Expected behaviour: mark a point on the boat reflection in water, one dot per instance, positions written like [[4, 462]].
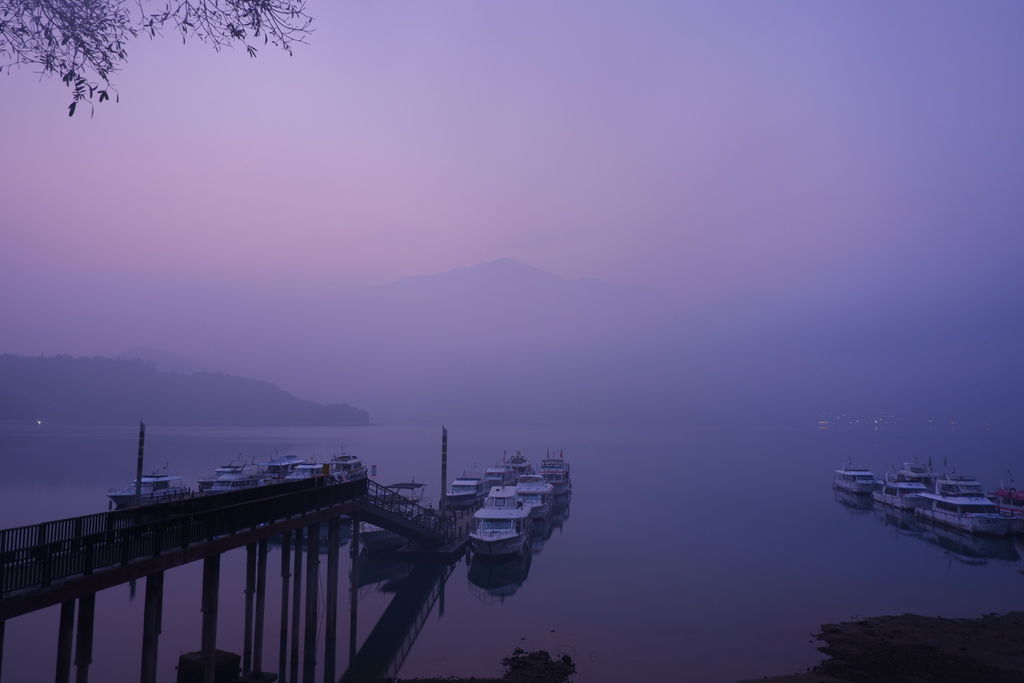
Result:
[[493, 580], [853, 501], [969, 549], [544, 528]]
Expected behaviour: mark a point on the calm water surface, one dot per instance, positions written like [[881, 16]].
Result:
[[684, 554]]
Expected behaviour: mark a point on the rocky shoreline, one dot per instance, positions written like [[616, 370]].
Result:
[[910, 648], [906, 648]]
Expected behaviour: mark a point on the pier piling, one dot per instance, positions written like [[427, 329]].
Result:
[[282, 652], [331, 607], [261, 605], [353, 612], [211, 586], [83, 648], [312, 562], [293, 670], [65, 639], [151, 625], [250, 589]]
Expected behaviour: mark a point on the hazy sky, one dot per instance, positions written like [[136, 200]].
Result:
[[786, 157], [715, 146]]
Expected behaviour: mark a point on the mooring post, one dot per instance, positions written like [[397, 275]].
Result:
[[138, 464], [309, 646], [250, 589], [211, 587], [293, 670], [443, 504], [353, 612], [151, 625], [83, 648], [282, 649], [261, 605], [331, 627], [65, 639]]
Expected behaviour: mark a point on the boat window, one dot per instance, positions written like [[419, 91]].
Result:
[[495, 524], [948, 507]]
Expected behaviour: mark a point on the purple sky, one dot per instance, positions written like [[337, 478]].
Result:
[[790, 154]]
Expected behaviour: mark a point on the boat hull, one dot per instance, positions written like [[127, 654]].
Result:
[[860, 488], [989, 525], [899, 502], [499, 547]]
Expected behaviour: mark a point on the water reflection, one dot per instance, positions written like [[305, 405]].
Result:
[[959, 546], [543, 528], [491, 580], [853, 501]]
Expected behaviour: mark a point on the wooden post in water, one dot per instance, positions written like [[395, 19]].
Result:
[[331, 607], [282, 652], [83, 648], [293, 670], [211, 586], [151, 624], [312, 562], [65, 639], [138, 464], [353, 614], [261, 605], [250, 589], [443, 504]]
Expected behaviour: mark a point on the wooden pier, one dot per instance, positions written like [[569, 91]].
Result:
[[68, 561]]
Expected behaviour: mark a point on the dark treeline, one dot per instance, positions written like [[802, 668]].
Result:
[[105, 391]]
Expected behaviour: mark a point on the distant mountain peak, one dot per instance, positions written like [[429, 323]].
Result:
[[499, 271]]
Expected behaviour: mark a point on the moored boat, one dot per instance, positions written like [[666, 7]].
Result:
[[519, 464], [205, 483], [276, 469], [502, 526], [235, 481], [556, 472], [904, 495], [465, 491], [958, 501], [535, 494], [859, 480], [347, 467], [157, 487], [1010, 501]]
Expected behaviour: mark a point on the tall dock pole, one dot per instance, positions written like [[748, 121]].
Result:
[[138, 463], [443, 506]]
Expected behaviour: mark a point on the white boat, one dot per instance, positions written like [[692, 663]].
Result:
[[535, 494], [916, 472], [205, 483], [466, 491], [376, 539], [859, 480], [959, 501], [500, 475], [556, 472], [278, 468], [156, 488], [520, 465], [235, 481], [904, 495], [308, 470], [347, 467], [502, 526]]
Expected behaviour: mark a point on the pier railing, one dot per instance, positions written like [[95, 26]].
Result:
[[390, 500], [35, 556]]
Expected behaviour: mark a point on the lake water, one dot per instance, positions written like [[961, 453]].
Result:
[[697, 555]]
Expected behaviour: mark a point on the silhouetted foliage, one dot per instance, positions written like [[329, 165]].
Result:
[[83, 42], [104, 391]]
